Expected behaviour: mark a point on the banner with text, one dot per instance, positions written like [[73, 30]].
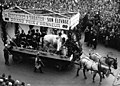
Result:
[[74, 21], [46, 21]]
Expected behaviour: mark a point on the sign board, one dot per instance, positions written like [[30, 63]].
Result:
[[74, 20], [46, 21]]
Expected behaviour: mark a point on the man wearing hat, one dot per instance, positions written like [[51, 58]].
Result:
[[38, 64], [10, 79], [1, 81], [22, 84], [37, 37], [6, 55], [17, 83], [59, 43], [3, 77], [28, 85], [10, 84]]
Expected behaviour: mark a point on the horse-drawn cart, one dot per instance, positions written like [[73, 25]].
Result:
[[37, 18], [58, 60]]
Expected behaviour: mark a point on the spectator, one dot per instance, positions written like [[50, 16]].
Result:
[[22, 84], [3, 77], [10, 79], [6, 55], [106, 13], [10, 82], [87, 32]]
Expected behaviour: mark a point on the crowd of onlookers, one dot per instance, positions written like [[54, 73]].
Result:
[[106, 7], [9, 81], [107, 33], [107, 28]]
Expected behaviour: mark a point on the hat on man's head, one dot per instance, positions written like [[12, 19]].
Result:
[[17, 81], [28, 85], [9, 84], [1, 80], [38, 53], [3, 75], [37, 30], [6, 45], [23, 84], [9, 76], [60, 33]]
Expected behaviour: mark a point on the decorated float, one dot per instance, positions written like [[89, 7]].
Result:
[[16, 19]]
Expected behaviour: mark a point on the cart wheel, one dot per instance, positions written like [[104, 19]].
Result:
[[17, 58], [59, 68]]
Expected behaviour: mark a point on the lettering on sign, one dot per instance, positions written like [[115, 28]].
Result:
[[5, 14], [46, 21], [37, 23], [61, 21], [35, 17], [17, 20], [49, 19]]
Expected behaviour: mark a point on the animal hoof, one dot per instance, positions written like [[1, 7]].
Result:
[[85, 77], [93, 81]]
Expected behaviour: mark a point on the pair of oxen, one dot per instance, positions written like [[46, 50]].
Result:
[[98, 64]]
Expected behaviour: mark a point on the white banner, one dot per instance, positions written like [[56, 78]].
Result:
[[46, 21], [74, 20]]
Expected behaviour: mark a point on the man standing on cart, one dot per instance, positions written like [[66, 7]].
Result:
[[38, 64], [59, 43], [43, 33], [37, 38]]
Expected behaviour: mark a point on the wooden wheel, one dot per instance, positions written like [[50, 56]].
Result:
[[16, 58]]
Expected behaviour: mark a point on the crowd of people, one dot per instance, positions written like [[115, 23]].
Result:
[[107, 8], [110, 35], [107, 33], [9, 81], [108, 14], [29, 40]]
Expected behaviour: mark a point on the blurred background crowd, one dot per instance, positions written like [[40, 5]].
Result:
[[107, 8], [9, 81], [101, 17]]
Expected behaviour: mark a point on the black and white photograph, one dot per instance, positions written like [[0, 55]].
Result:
[[59, 42]]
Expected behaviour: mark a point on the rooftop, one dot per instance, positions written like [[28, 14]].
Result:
[[43, 12]]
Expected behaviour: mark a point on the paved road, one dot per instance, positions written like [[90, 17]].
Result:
[[53, 77]]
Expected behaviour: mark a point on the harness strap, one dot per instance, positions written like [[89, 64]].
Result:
[[87, 59], [99, 65], [91, 65]]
